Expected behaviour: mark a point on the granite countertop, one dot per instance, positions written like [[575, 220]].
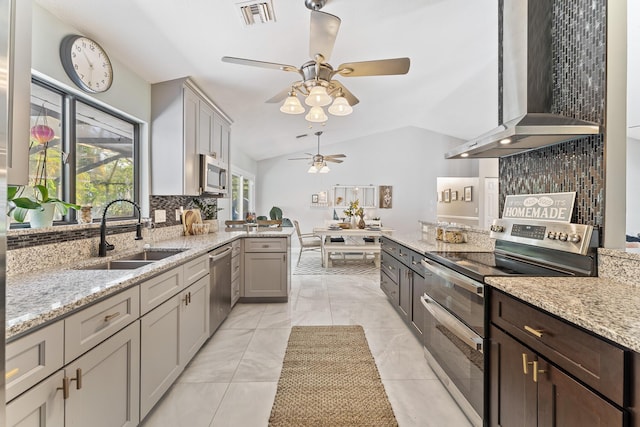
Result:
[[414, 241], [35, 299], [605, 307]]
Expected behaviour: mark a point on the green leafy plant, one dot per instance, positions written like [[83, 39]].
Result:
[[275, 213], [208, 207], [19, 205]]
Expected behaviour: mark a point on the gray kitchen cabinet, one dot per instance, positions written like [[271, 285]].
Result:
[[42, 406], [266, 269], [175, 108], [173, 331], [107, 373], [104, 383], [236, 249], [19, 115], [185, 123]]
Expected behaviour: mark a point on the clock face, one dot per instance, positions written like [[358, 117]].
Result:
[[86, 63]]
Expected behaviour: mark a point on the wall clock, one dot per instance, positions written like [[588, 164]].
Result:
[[86, 63]]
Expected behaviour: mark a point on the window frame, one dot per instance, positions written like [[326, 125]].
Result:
[[68, 122], [243, 176]]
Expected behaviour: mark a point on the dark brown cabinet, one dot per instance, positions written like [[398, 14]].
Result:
[[529, 382], [401, 280]]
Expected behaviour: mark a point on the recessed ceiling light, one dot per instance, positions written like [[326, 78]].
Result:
[[464, 155], [505, 141]]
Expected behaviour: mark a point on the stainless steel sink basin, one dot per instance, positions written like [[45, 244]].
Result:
[[118, 265], [152, 255]]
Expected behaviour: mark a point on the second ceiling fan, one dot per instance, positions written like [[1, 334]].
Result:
[[318, 161], [317, 86]]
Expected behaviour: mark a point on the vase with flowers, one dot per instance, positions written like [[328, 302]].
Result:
[[353, 212], [34, 199]]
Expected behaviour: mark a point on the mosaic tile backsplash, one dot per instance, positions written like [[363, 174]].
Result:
[[579, 76]]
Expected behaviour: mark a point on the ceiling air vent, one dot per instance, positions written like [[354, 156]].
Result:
[[256, 12]]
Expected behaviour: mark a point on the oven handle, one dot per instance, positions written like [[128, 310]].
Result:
[[452, 324], [457, 279]]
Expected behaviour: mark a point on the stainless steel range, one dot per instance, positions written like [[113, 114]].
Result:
[[456, 312]]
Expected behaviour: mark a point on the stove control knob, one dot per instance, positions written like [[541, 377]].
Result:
[[563, 237], [497, 228], [575, 238], [552, 235]]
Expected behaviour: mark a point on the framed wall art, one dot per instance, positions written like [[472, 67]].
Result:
[[314, 198], [454, 196], [386, 197], [468, 194], [447, 195]]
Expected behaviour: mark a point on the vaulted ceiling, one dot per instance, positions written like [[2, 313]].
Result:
[[451, 87]]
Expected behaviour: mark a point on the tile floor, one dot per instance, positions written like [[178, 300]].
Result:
[[232, 380]]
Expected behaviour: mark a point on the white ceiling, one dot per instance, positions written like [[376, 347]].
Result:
[[451, 87]]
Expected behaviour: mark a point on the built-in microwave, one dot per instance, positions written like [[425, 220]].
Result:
[[213, 178]]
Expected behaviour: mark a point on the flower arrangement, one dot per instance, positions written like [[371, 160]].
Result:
[[354, 209]]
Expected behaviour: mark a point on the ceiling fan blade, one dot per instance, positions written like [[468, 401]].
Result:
[[333, 160], [299, 158], [278, 97], [323, 33], [381, 67], [351, 99], [335, 156], [261, 64]]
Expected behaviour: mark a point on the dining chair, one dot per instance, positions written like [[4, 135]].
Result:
[[308, 241]]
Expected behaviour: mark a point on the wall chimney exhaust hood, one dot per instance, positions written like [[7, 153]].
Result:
[[527, 80]]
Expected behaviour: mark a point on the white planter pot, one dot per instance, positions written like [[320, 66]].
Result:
[[213, 225], [42, 218]]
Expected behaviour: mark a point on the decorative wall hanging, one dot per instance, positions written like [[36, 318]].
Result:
[[467, 194], [447, 195], [386, 196]]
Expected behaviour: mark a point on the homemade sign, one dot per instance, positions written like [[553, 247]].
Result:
[[544, 206]]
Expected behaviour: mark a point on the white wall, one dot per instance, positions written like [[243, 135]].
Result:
[[409, 159], [633, 178]]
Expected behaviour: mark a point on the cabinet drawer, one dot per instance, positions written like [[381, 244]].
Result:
[[235, 268], [94, 324], [590, 359], [390, 288], [235, 291], [390, 247], [236, 248], [391, 266], [195, 269], [33, 357], [265, 245], [157, 290]]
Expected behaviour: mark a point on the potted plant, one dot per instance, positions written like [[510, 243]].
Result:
[[39, 205], [208, 211]]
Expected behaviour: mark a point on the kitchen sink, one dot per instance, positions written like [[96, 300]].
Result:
[[118, 265], [151, 255]]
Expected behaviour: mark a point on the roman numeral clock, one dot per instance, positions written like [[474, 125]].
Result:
[[86, 63]]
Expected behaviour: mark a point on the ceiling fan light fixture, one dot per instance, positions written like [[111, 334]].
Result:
[[292, 105], [312, 169], [324, 168], [340, 107], [318, 97], [316, 115]]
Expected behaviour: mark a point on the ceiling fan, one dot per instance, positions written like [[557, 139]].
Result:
[[318, 161], [317, 85]]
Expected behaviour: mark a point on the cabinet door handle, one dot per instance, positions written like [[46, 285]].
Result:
[[186, 299], [525, 364], [536, 371], [189, 297], [532, 331], [110, 317], [78, 379], [11, 373], [64, 388]]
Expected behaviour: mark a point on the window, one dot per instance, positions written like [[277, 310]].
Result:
[[242, 194], [92, 158]]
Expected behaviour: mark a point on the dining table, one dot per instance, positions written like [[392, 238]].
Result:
[[353, 240]]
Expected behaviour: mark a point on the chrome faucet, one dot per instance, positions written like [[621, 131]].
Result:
[[106, 246]]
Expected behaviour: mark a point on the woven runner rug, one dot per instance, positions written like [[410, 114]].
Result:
[[311, 264], [329, 378]]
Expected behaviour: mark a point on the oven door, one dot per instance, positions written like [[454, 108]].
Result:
[[458, 354], [461, 295]]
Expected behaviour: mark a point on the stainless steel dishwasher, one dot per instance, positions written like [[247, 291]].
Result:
[[220, 286]]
